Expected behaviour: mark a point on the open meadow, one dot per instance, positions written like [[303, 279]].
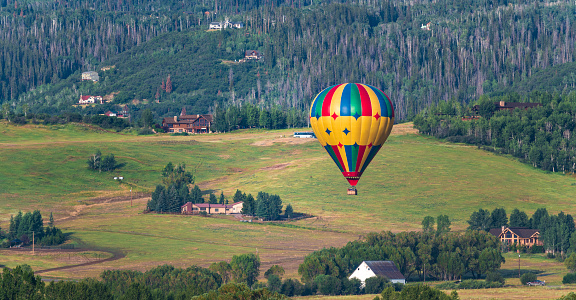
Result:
[[413, 176]]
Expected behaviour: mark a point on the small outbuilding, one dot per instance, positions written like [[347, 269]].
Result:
[[371, 268]]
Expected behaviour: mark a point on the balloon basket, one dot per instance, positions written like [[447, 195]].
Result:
[[352, 191]]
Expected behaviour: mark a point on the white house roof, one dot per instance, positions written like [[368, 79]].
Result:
[[385, 268]]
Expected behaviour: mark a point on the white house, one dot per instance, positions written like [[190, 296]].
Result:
[[215, 25], [90, 99], [373, 268]]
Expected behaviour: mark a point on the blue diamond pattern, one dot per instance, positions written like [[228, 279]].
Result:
[[356, 115], [355, 145], [346, 131], [317, 116], [328, 131]]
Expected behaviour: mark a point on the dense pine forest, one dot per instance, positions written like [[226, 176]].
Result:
[[468, 49]]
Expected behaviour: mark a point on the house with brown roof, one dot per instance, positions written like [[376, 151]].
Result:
[[253, 54], [503, 105], [187, 123], [210, 208], [384, 268], [517, 235]]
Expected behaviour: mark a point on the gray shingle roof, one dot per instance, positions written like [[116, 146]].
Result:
[[385, 268]]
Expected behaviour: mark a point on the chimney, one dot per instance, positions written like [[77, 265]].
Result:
[[503, 228], [502, 103], [175, 118]]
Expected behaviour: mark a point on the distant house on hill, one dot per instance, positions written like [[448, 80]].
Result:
[[90, 75], [225, 24], [188, 123], [371, 268], [253, 54], [215, 25], [88, 99], [517, 235], [503, 105], [195, 208]]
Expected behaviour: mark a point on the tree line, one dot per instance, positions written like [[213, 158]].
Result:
[[447, 256], [222, 280], [542, 136], [24, 229]]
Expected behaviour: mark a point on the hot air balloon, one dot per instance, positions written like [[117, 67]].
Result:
[[352, 121]]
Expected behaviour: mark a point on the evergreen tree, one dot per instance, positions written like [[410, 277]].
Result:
[[539, 218], [480, 220], [428, 224], [221, 201], [213, 199], [196, 195], [499, 218], [249, 206], [288, 212], [442, 224], [518, 219], [51, 220], [239, 197]]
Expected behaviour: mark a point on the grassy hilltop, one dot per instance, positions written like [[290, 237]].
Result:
[[413, 176]]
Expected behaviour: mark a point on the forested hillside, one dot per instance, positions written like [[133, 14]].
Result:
[[542, 136], [471, 48]]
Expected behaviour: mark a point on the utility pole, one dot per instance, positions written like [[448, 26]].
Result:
[[518, 265], [33, 243], [130, 196], [424, 272]]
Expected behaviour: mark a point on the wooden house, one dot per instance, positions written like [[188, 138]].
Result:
[[517, 235], [188, 123]]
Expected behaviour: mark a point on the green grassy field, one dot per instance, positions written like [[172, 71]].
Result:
[[413, 176]]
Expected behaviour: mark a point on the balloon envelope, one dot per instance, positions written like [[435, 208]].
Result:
[[352, 121]]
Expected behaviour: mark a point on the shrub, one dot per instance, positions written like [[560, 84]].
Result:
[[569, 278], [527, 277], [145, 131], [328, 285], [537, 249], [495, 277], [448, 285], [375, 285], [479, 284], [550, 255]]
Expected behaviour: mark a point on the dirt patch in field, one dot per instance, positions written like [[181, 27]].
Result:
[[224, 156], [275, 167], [235, 170], [283, 139], [404, 128]]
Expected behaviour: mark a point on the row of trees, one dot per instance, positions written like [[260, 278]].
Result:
[[250, 116], [542, 136], [24, 227], [444, 257], [265, 206], [557, 232]]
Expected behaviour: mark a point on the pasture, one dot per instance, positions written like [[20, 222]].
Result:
[[44, 167]]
